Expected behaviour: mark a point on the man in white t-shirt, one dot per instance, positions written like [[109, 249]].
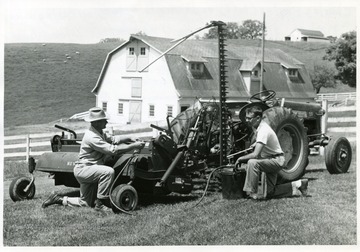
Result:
[[267, 157]]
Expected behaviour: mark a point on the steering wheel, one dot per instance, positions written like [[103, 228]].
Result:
[[263, 96]]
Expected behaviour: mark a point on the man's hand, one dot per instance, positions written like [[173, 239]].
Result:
[[238, 162], [139, 144]]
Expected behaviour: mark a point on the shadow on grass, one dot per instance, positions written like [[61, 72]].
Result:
[[149, 199], [315, 170], [144, 199]]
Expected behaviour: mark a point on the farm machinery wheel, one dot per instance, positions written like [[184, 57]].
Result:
[[293, 140], [125, 197], [17, 186], [338, 155]]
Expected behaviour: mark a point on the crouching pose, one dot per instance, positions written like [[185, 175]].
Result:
[[267, 157], [94, 177]]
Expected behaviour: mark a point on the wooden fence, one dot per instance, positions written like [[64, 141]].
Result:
[[24, 146], [340, 97]]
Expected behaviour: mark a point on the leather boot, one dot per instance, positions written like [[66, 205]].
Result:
[[303, 187], [52, 199], [102, 205]]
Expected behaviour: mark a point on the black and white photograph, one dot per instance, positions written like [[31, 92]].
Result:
[[179, 125]]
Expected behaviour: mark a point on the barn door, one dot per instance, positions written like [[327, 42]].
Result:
[[135, 112]]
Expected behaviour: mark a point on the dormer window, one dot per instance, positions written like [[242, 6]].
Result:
[[197, 67], [293, 72]]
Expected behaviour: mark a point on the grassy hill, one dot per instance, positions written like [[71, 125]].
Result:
[[43, 85]]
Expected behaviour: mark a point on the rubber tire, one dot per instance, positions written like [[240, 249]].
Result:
[[293, 140], [334, 161], [17, 186], [122, 193]]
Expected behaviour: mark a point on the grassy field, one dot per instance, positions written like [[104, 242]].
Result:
[[40, 87], [328, 217]]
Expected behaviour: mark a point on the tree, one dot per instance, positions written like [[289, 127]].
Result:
[[332, 39], [140, 33], [250, 29], [323, 76], [111, 40], [343, 52]]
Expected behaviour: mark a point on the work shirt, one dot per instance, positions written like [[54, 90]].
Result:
[[266, 136], [95, 147]]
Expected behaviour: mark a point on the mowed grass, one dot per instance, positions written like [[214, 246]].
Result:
[[326, 218]]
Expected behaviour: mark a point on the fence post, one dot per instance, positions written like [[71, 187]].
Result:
[[27, 147], [324, 120]]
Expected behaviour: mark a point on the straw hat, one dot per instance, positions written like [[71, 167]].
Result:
[[242, 112], [96, 114]]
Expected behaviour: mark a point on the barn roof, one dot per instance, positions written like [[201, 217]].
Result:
[[240, 56], [311, 33]]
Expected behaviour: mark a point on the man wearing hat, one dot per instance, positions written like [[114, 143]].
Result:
[[94, 177], [267, 157]]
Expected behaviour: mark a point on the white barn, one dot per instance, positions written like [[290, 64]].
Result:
[[190, 71], [307, 36]]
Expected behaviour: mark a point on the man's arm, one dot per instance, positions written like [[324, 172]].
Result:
[[253, 155], [122, 148], [122, 139]]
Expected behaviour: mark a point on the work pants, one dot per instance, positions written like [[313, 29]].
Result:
[[270, 167], [95, 182]]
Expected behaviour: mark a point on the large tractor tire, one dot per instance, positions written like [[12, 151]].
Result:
[[293, 140], [338, 155], [17, 186]]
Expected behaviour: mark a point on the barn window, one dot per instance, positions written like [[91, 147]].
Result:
[[151, 110], [136, 88], [131, 51], [197, 67], [184, 107], [292, 72], [255, 73], [104, 106], [170, 111], [142, 51], [120, 108]]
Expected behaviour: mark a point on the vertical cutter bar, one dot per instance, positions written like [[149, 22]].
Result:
[[222, 92]]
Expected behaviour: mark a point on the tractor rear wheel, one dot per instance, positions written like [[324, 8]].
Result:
[[293, 140], [17, 186], [124, 197], [338, 155]]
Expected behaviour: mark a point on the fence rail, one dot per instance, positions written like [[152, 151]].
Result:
[[337, 96], [32, 142]]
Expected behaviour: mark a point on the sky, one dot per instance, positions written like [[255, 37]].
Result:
[[89, 21]]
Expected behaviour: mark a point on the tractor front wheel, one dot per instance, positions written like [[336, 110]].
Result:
[[338, 155], [17, 187], [125, 197]]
